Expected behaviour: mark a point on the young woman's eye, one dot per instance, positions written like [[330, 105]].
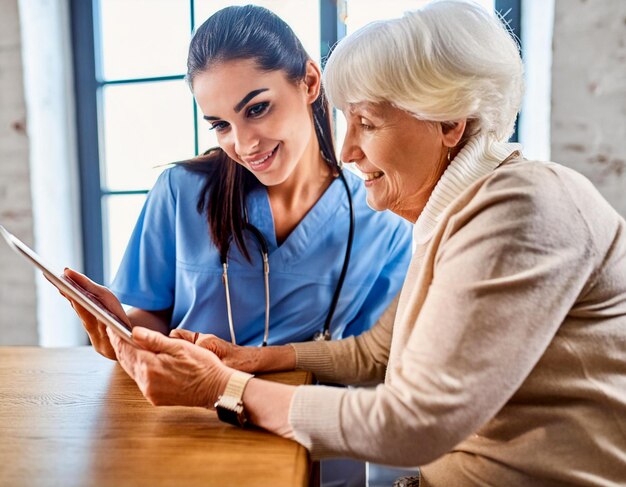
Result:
[[258, 109], [218, 126]]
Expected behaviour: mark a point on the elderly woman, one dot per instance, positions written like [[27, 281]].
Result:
[[503, 362]]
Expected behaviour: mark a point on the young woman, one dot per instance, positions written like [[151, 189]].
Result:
[[273, 191]]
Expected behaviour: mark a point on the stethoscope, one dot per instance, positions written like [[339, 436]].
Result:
[[324, 334]]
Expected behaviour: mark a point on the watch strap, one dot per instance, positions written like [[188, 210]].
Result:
[[236, 384], [229, 405]]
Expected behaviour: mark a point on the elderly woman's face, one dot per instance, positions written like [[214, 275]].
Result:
[[401, 157]]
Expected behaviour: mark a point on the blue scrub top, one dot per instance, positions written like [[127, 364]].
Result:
[[171, 262]]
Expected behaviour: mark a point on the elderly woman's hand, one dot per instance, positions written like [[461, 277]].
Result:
[[171, 371], [246, 359]]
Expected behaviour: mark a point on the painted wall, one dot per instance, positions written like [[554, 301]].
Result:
[[588, 123]]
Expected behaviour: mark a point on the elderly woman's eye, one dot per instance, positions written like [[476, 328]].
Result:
[[365, 124]]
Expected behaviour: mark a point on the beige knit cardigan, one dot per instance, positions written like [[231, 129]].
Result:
[[504, 362]]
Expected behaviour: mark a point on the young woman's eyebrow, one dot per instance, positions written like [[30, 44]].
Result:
[[247, 98], [237, 108]]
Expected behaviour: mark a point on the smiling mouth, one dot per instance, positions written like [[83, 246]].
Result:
[[371, 176], [258, 162]]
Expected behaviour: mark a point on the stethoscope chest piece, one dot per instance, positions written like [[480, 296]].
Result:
[[322, 336]]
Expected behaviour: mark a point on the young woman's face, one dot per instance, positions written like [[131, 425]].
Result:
[[262, 120]]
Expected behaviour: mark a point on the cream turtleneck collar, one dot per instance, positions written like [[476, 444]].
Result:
[[479, 157]]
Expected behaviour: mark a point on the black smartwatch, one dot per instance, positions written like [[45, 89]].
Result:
[[229, 405]]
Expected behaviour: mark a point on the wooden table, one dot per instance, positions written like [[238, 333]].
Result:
[[71, 417]]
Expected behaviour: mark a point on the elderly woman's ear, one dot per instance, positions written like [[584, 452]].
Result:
[[452, 132]]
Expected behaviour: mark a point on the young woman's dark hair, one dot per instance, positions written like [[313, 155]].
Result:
[[236, 33]]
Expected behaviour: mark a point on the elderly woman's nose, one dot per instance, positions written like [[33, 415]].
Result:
[[350, 151]]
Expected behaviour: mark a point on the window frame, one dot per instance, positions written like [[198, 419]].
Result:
[[88, 84]]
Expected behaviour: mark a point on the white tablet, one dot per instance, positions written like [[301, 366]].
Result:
[[69, 287]]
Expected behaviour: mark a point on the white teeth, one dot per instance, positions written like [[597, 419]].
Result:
[[256, 163], [261, 161], [370, 176]]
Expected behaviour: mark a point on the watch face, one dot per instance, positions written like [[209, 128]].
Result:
[[230, 416], [229, 405]]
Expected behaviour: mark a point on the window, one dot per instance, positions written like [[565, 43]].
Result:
[[135, 113]]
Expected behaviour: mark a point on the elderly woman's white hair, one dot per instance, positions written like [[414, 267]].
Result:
[[446, 61]]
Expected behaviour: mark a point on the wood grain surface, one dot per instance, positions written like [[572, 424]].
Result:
[[70, 417]]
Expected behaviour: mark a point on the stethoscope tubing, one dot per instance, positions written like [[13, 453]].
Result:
[[264, 250]]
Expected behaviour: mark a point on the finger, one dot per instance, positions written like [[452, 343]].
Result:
[[82, 280], [94, 328], [122, 353], [182, 334], [91, 288], [89, 320], [154, 341], [128, 355], [114, 340], [210, 341], [101, 294]]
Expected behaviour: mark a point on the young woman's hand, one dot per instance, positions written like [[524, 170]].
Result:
[[171, 372], [245, 359], [95, 329]]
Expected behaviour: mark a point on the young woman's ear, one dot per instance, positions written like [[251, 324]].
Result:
[[312, 81]]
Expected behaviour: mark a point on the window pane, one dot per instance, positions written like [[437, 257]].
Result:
[[144, 38], [145, 125], [120, 215], [303, 16]]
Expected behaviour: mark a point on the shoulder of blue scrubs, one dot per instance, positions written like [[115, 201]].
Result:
[[380, 258], [146, 276]]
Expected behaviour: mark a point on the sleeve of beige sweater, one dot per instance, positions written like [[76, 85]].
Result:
[[354, 360], [510, 266]]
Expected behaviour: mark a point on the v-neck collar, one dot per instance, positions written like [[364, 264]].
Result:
[[308, 229]]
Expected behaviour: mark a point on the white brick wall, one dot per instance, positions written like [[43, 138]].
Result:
[[589, 93], [18, 322]]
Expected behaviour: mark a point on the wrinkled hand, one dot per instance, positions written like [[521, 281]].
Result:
[[237, 357], [171, 372], [95, 329]]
